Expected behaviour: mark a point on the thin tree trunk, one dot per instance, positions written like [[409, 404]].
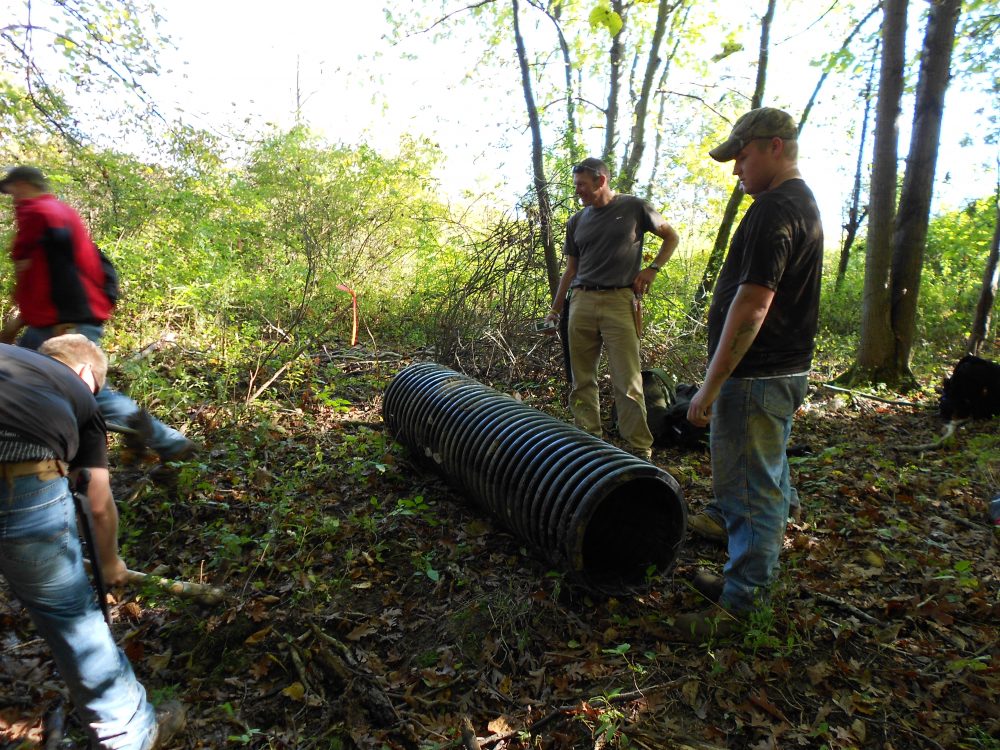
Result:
[[537, 161], [876, 346], [633, 156], [676, 28], [614, 87], [571, 132], [714, 264], [987, 296], [855, 215], [909, 236], [833, 64]]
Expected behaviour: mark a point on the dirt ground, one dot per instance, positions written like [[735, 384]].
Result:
[[368, 605]]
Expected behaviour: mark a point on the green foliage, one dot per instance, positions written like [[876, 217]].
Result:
[[603, 16]]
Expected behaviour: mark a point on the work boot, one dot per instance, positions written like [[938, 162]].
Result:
[[171, 718], [708, 624], [707, 527], [646, 454], [180, 452], [708, 585], [139, 433]]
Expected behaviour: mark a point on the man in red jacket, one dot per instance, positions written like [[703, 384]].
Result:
[[60, 287]]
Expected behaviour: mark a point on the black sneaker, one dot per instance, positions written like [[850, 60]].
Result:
[[171, 718]]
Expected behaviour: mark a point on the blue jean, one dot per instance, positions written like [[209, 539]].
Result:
[[41, 559], [115, 406], [751, 422]]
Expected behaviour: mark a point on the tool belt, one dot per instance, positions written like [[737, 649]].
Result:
[[50, 468]]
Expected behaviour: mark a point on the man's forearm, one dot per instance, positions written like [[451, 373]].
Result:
[[567, 278], [104, 514], [743, 321], [670, 242]]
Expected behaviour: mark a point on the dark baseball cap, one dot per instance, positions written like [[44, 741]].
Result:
[[765, 122], [31, 175]]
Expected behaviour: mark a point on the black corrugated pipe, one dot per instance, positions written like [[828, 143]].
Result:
[[583, 504]]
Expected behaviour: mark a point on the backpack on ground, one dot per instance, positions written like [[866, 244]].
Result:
[[973, 390], [666, 412]]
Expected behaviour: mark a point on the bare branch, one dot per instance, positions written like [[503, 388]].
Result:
[[668, 92], [445, 17]]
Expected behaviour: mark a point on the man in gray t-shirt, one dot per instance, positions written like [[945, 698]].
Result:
[[604, 271]]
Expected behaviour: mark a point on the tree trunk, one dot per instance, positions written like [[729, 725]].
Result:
[[676, 28], [537, 162], [833, 64], [614, 87], [875, 350], [987, 296], [633, 156], [718, 253], [570, 134], [855, 215], [909, 236]]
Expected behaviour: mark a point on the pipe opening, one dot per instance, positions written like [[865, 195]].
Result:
[[638, 524]]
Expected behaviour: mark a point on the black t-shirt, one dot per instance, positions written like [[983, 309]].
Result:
[[47, 403], [779, 244]]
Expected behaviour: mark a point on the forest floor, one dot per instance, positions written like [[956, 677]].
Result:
[[368, 606]]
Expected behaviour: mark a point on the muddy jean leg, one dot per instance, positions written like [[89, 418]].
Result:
[[41, 559], [751, 422]]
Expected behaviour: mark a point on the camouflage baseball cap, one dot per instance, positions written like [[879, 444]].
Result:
[[31, 175], [765, 122]]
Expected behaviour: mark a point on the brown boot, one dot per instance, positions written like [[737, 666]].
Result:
[[707, 527], [171, 718]]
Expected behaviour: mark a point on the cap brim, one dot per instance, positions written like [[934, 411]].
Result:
[[726, 151]]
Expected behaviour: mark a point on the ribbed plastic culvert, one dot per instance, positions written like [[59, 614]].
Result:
[[580, 503]]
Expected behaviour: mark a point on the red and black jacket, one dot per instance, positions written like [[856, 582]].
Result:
[[59, 274]]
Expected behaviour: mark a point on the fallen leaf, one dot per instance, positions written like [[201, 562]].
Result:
[[260, 635], [295, 691]]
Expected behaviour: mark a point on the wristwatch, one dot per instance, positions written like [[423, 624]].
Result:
[[654, 266]]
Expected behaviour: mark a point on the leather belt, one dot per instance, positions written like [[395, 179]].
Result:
[[601, 288], [50, 468]]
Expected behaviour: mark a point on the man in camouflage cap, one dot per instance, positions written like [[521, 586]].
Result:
[[761, 331]]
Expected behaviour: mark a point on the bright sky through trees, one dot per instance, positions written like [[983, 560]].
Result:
[[238, 65]]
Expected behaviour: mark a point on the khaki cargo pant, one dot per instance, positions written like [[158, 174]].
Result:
[[599, 318]]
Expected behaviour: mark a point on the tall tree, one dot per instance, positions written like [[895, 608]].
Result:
[[615, 58], [714, 263], [988, 292], [637, 141], [855, 213], [910, 231], [537, 158], [876, 328], [677, 26], [553, 11]]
